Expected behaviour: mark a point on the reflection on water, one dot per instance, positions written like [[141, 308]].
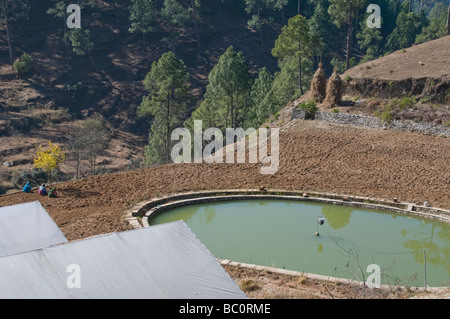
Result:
[[337, 216], [281, 234]]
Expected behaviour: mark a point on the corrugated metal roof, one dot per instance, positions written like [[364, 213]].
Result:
[[159, 262], [27, 227]]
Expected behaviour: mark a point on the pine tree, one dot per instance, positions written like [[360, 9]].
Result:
[[344, 13], [294, 44], [254, 7], [437, 27], [59, 10], [11, 11], [142, 17], [174, 16], [408, 26], [168, 88], [230, 81], [280, 5], [369, 40], [194, 6], [81, 41], [262, 97], [322, 29]]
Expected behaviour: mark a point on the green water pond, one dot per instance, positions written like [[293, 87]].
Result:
[[281, 234]]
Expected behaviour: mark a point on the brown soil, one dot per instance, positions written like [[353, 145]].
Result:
[[313, 156], [263, 284], [420, 71], [427, 60]]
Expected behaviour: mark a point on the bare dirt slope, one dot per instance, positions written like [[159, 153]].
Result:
[[421, 71], [430, 59], [313, 156]]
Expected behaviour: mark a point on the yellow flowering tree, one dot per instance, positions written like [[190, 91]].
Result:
[[48, 159]]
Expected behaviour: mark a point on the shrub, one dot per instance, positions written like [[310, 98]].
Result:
[[248, 285], [387, 115], [24, 65], [3, 189], [426, 99], [348, 78], [335, 111], [35, 176], [303, 280], [309, 106], [407, 101]]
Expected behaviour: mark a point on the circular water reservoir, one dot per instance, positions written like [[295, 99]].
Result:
[[281, 233]]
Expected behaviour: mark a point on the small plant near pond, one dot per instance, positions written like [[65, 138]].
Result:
[[248, 285]]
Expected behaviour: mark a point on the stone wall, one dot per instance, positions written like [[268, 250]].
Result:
[[375, 122]]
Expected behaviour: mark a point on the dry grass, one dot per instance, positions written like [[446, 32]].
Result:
[[318, 85], [334, 90]]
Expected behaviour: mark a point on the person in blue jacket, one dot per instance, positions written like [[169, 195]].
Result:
[[27, 188], [42, 190]]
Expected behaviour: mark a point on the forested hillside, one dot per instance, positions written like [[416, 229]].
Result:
[[149, 66]]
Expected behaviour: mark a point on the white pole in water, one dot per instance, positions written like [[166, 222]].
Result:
[[320, 221]]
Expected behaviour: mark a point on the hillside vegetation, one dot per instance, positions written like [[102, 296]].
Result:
[[54, 79]]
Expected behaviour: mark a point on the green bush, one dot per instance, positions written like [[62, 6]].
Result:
[[3, 189], [407, 101], [387, 116], [335, 111], [309, 107], [36, 177], [24, 65]]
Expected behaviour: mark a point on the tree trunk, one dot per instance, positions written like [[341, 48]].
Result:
[[194, 17], [7, 33], [143, 39], [300, 70], [261, 37], [448, 19], [236, 111], [349, 45], [65, 37], [260, 31], [232, 111], [168, 129], [77, 163], [282, 15], [298, 7]]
